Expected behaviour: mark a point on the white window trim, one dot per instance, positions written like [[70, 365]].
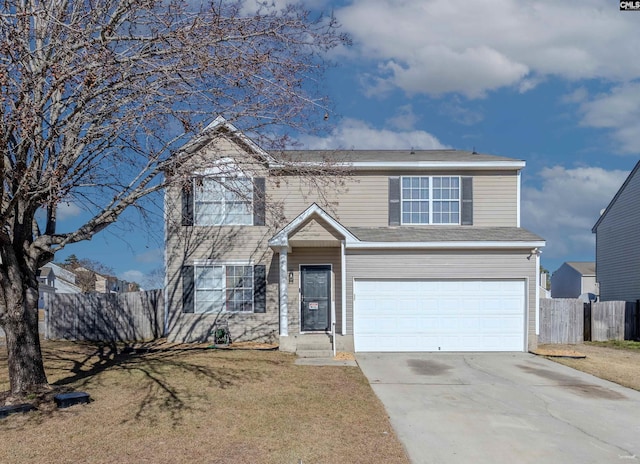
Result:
[[223, 265], [430, 200], [222, 179]]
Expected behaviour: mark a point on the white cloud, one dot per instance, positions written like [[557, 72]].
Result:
[[155, 255], [251, 7], [132, 275], [619, 111], [567, 205], [470, 48], [356, 134], [68, 209], [579, 95], [404, 119], [454, 109]]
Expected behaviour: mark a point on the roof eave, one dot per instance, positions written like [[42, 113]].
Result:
[[615, 197], [463, 245]]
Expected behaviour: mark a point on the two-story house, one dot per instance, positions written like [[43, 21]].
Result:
[[388, 250], [618, 243]]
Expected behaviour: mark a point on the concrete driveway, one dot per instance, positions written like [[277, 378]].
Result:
[[503, 408]]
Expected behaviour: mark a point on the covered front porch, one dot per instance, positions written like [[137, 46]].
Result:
[[311, 282]]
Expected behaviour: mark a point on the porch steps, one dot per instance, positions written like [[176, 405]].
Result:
[[314, 347], [314, 353]]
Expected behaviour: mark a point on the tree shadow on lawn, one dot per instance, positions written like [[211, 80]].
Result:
[[170, 381]]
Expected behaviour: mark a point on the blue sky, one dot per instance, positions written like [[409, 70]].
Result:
[[556, 83]]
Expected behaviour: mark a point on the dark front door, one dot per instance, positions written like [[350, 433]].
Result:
[[315, 283]]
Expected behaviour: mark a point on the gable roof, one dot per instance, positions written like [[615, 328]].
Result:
[[446, 159], [586, 268], [281, 238], [616, 196], [221, 125]]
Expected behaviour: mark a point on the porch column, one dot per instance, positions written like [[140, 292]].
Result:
[[284, 293]]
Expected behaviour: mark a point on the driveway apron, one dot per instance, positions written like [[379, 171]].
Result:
[[503, 408]]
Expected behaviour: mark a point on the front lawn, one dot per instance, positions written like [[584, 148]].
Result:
[[200, 405]]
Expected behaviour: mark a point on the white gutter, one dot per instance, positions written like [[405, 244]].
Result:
[[398, 165], [455, 245]]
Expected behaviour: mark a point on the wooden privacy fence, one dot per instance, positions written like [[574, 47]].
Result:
[[561, 321], [108, 317], [572, 321]]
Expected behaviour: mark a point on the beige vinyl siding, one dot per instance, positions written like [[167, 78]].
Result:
[[303, 256], [495, 202], [618, 246], [224, 244], [362, 199], [441, 265], [315, 231], [358, 199]]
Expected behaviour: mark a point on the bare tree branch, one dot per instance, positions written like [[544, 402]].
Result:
[[97, 96]]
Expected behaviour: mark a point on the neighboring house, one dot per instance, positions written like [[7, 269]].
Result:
[[110, 284], [408, 251], [55, 279], [574, 279], [618, 243], [62, 280], [101, 283], [46, 284], [544, 284]]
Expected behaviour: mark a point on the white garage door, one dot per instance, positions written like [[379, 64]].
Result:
[[480, 315]]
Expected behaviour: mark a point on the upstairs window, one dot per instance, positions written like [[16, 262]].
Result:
[[223, 201], [430, 200]]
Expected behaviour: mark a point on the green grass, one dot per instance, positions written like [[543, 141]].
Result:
[[619, 344]]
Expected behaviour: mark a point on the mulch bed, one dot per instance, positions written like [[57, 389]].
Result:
[[558, 352]]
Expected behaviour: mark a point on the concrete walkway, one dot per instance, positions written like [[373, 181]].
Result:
[[503, 408]]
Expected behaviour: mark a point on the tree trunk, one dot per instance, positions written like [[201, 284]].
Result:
[[26, 368]]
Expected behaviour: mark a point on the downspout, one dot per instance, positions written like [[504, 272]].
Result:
[[537, 253], [343, 279], [165, 291], [333, 327], [518, 187]]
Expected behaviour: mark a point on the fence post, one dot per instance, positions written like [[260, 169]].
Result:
[[636, 335], [587, 322]]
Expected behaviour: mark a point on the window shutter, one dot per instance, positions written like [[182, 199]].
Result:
[[394, 201], [259, 288], [467, 201], [258, 201], [188, 290], [187, 205]]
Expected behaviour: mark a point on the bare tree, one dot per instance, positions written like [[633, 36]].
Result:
[[85, 270], [154, 279], [96, 97]]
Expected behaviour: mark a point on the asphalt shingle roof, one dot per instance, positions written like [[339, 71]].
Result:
[[586, 268], [443, 234]]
